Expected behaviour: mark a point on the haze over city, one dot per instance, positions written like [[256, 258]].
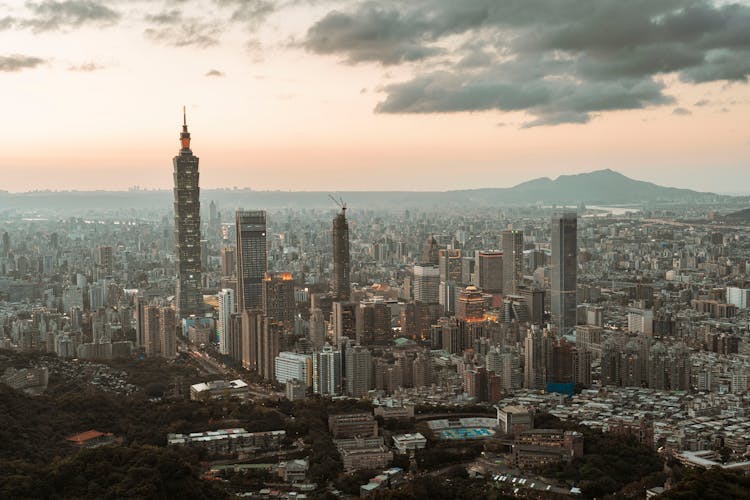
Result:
[[330, 95]]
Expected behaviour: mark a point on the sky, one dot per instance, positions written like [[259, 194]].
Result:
[[387, 95]]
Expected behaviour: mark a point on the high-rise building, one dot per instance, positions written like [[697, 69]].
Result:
[[151, 331], [490, 271], [167, 332], [252, 258], [104, 261], [512, 261], [228, 261], [430, 251], [344, 317], [426, 283], [358, 371], [470, 305], [278, 299], [327, 371], [341, 280], [373, 322], [226, 309], [564, 271], [187, 222], [317, 328]]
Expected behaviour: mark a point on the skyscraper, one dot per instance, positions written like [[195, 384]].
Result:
[[426, 283], [278, 299], [187, 222], [327, 371], [564, 265], [512, 261], [341, 280], [226, 309], [252, 258], [490, 271], [358, 371]]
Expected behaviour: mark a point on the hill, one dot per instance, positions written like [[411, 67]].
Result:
[[601, 187]]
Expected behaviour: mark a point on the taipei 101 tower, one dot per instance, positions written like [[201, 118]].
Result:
[[187, 223]]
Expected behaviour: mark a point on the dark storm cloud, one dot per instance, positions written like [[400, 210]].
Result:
[[561, 61], [681, 112], [371, 34], [51, 15], [13, 63]]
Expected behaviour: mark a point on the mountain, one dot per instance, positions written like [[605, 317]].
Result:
[[602, 187], [739, 217]]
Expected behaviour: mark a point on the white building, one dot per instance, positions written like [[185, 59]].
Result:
[[327, 371], [740, 297], [293, 366], [226, 308]]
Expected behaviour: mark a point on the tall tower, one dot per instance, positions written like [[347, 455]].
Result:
[[187, 223], [226, 309], [512, 261], [564, 265], [341, 280], [252, 258]]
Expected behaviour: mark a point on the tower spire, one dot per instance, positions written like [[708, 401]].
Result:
[[185, 135]]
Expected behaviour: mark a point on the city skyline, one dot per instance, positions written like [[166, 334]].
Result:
[[299, 96]]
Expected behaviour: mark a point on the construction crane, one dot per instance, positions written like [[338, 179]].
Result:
[[340, 202]]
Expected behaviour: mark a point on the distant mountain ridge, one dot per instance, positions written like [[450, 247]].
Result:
[[601, 187]]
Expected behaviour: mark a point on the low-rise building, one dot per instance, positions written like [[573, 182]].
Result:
[[217, 389], [542, 446], [229, 441], [406, 443]]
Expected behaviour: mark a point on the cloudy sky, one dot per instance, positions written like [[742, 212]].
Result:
[[403, 94]]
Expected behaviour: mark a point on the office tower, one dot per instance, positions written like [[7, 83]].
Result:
[[470, 305], [430, 253], [252, 328], [341, 280], [228, 261], [213, 214], [358, 371], [278, 299], [318, 331], [167, 332], [512, 260], [151, 330], [373, 322], [268, 347], [344, 317], [234, 337], [226, 309], [563, 272], [426, 283], [187, 223], [468, 265], [327, 371], [534, 299], [536, 350], [490, 271], [139, 302], [422, 370], [582, 358], [252, 258], [103, 261], [449, 262]]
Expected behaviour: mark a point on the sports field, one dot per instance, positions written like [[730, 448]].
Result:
[[466, 433]]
